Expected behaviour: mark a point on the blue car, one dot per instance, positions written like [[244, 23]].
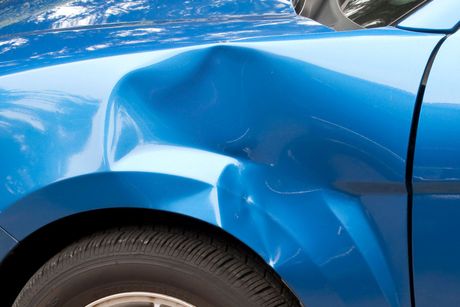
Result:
[[229, 153]]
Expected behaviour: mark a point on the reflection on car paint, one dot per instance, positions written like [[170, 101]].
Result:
[[236, 134]]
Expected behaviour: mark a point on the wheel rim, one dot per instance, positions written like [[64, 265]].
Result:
[[139, 299]]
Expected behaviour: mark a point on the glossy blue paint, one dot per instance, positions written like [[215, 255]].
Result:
[[45, 15], [284, 133], [33, 50], [436, 16], [437, 184], [167, 130]]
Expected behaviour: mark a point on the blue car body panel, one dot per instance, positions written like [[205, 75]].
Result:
[[166, 130], [37, 49], [436, 208], [50, 15], [440, 16], [289, 136]]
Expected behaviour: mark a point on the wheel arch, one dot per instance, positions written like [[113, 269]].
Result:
[[38, 247]]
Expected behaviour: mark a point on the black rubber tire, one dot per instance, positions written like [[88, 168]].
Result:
[[201, 269]]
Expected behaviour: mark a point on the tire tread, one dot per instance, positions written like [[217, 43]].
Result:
[[209, 252]]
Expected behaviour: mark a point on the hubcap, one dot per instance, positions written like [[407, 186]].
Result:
[[139, 299]]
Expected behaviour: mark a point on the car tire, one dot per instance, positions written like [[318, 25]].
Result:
[[176, 265]]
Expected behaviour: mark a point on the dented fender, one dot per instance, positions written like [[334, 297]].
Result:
[[295, 147]]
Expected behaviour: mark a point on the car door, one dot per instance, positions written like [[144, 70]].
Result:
[[436, 184]]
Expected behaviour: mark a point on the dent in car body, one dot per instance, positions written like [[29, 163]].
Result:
[[436, 182], [281, 134], [281, 129]]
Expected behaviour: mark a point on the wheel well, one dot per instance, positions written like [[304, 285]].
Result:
[[32, 252]]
